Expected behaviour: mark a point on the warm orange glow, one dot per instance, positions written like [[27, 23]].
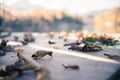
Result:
[[58, 15], [47, 15], [92, 35], [35, 13], [63, 34], [79, 36], [108, 21], [7, 16]]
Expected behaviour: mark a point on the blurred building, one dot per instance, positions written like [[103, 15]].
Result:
[[108, 21], [89, 23]]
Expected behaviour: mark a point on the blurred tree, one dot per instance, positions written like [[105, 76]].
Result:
[[41, 24], [1, 22]]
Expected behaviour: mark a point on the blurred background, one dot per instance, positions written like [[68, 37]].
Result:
[[60, 15]]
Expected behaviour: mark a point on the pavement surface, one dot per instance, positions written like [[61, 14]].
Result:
[[93, 65]]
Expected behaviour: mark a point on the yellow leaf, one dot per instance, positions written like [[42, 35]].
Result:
[[19, 50]]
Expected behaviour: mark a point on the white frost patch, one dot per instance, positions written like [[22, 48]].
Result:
[[14, 43], [3, 67]]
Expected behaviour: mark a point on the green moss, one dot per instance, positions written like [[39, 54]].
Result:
[[90, 39]]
